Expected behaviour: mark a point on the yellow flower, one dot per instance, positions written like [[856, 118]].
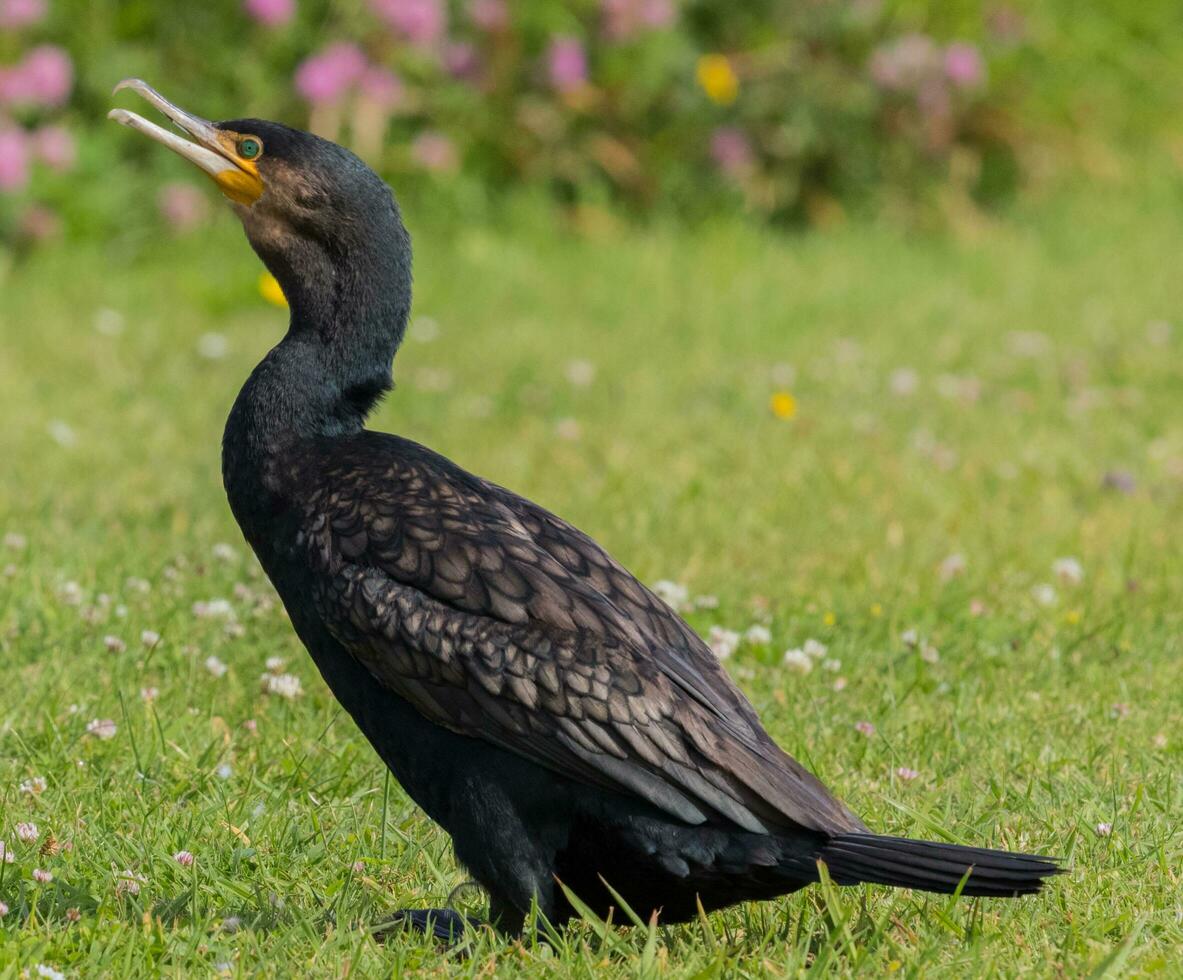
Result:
[[270, 290], [1072, 617], [717, 78], [783, 405], [876, 610], [829, 619]]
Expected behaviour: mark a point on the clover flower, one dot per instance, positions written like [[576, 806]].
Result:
[[797, 660]]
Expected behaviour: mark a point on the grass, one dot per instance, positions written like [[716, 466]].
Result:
[[1036, 375]]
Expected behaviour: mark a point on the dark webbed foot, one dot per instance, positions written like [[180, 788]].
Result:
[[447, 925]]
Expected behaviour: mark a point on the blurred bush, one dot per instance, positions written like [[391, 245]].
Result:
[[799, 110]]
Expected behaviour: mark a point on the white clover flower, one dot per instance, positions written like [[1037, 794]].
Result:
[[906, 774], [184, 858], [1068, 570], [34, 787], [722, 641], [108, 322], [225, 771], [42, 876], [568, 429], [706, 601], [929, 654], [904, 382], [832, 664], [128, 882], [673, 594], [224, 552], [62, 433], [149, 638], [910, 638], [114, 644], [952, 566], [103, 728], [70, 593], [15, 542], [814, 649], [27, 832], [44, 970], [282, 685], [213, 609], [275, 664], [1104, 829], [758, 635], [213, 346], [580, 373], [215, 666], [424, 329], [1044, 594], [797, 660]]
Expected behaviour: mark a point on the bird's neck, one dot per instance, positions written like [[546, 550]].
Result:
[[349, 309]]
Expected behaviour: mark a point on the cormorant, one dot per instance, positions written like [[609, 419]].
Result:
[[560, 721]]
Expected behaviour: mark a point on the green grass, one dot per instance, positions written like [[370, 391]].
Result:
[[1037, 723]]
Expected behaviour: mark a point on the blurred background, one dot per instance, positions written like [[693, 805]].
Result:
[[798, 113]]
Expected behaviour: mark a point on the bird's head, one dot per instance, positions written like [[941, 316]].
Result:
[[311, 209]]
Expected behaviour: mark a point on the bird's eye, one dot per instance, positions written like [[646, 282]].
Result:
[[249, 148]]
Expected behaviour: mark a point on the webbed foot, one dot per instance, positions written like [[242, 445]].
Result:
[[447, 925]]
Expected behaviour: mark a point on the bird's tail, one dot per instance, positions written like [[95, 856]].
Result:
[[933, 867]]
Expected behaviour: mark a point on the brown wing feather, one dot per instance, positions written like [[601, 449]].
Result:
[[496, 619]]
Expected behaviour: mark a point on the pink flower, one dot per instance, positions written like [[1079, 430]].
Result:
[[46, 76], [625, 19], [3, 909], [271, 13], [566, 64], [434, 151], [27, 832], [489, 15], [460, 60], [20, 13], [906, 774], [54, 145], [382, 87], [732, 151], [903, 64], [42, 876], [964, 66], [864, 728], [328, 75], [184, 859], [14, 160], [419, 21], [182, 205]]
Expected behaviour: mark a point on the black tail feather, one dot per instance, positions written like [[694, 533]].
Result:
[[933, 867]]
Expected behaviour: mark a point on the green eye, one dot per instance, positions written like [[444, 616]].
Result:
[[249, 148]]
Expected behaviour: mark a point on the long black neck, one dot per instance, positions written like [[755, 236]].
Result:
[[349, 299]]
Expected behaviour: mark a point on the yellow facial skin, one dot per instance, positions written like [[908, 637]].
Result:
[[213, 150], [243, 185]]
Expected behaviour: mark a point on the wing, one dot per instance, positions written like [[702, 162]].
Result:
[[498, 620]]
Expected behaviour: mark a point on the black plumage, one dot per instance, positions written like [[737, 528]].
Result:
[[552, 714]]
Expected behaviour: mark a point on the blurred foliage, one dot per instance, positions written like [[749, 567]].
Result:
[[799, 111]]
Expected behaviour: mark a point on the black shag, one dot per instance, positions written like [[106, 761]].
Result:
[[560, 721]]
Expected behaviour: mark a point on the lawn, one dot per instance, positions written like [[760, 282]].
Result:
[[965, 413]]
